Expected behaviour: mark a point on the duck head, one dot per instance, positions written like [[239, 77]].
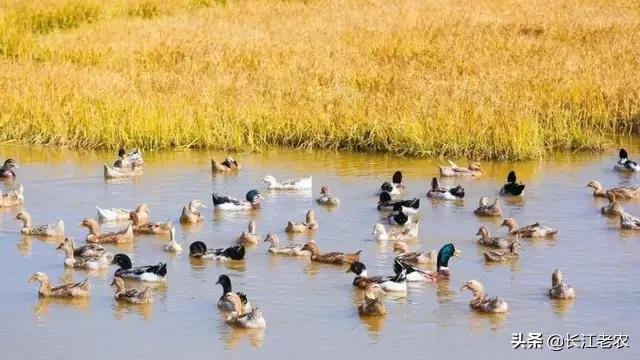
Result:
[[225, 282], [483, 202], [556, 278], [373, 291], [397, 178], [511, 177], [123, 261], [324, 190], [310, 217], [509, 223], [434, 184], [195, 205], [357, 268], [312, 248], [253, 196], [10, 164], [595, 185], [385, 197], [623, 154], [473, 285], [122, 152], [39, 276], [386, 187], [483, 231], [273, 239], [445, 253]]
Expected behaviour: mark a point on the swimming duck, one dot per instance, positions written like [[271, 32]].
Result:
[[290, 184], [249, 236], [310, 223], [438, 192], [118, 237], [396, 283], [530, 231], [402, 248], [13, 197], [624, 164], [191, 213], [152, 228], [86, 263], [415, 274], [407, 206], [87, 250], [394, 187], [560, 290], [251, 320], [55, 229], [485, 210], [614, 208], [629, 222], [482, 302], [7, 171], [141, 273], [372, 305], [230, 301], [128, 160], [81, 289], [380, 233], [622, 192], [337, 258], [399, 217], [293, 249], [326, 198], [473, 169], [511, 253], [131, 296], [199, 250], [512, 188], [116, 172], [113, 214], [172, 245], [223, 202], [495, 241], [228, 164]]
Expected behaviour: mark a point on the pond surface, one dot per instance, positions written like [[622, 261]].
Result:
[[311, 309]]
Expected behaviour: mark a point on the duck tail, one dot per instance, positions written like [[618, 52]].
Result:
[[161, 269], [243, 298]]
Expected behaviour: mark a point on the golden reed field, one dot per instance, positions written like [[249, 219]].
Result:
[[501, 79]]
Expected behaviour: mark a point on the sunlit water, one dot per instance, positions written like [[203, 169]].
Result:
[[311, 309]]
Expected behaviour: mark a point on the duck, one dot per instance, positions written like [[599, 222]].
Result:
[[224, 202], [474, 169], [530, 231], [442, 273], [122, 172], [95, 236], [394, 187], [371, 304], [326, 199], [629, 222], [385, 203], [86, 263], [396, 283], [512, 188], [559, 289], [191, 213], [113, 214], [289, 184], [481, 302], [227, 165], [7, 171], [399, 217], [151, 228], [622, 192], [199, 250], [624, 164], [13, 197], [405, 233], [81, 289], [131, 296], [337, 258], [249, 236], [251, 320], [50, 230], [486, 210], [275, 248], [437, 192], [495, 241], [510, 254], [231, 301], [614, 208], [172, 245], [130, 159], [149, 273], [87, 250], [310, 223], [402, 248]]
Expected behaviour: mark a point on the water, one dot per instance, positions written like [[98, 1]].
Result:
[[311, 308]]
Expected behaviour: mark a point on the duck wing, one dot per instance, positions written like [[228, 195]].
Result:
[[219, 199], [160, 270], [234, 252]]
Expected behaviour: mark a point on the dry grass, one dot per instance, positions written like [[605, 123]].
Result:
[[493, 79]]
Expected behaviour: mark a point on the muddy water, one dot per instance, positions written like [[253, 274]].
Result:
[[310, 308]]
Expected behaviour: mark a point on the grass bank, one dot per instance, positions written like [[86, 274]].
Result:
[[498, 79]]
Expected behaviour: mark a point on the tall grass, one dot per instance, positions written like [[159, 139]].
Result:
[[499, 79]]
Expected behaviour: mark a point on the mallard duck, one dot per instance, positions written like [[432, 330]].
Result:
[[172, 245], [87, 250], [118, 237], [629, 222], [251, 320], [113, 214], [337, 258], [484, 209], [230, 301], [495, 241], [396, 283], [623, 192], [530, 231], [510, 254], [624, 164], [132, 296], [224, 202], [128, 160], [199, 250], [191, 213], [560, 290], [290, 184], [416, 257], [293, 249], [372, 305], [512, 188], [415, 274], [473, 169], [249, 236], [81, 289], [118, 173], [385, 203], [52, 230], [228, 164], [141, 273], [483, 303], [86, 263], [13, 197], [394, 187], [614, 208], [326, 198], [380, 233], [310, 223], [7, 171], [437, 192]]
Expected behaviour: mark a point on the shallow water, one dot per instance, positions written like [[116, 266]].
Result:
[[310, 308]]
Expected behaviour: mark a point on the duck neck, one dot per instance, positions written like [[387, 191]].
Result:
[[478, 295], [120, 289], [68, 252], [93, 228], [226, 288], [45, 288], [597, 191], [26, 221]]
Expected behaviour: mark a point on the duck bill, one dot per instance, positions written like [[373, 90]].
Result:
[[457, 252], [465, 286], [59, 246]]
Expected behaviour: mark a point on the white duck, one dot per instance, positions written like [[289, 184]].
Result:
[[290, 184], [172, 245]]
